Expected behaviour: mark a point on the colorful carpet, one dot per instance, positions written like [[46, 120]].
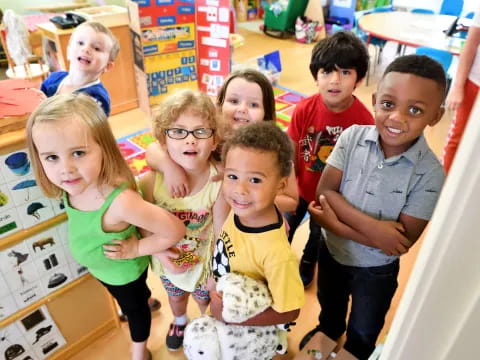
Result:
[[133, 146]]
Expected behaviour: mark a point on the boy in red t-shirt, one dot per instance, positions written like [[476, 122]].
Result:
[[338, 64]]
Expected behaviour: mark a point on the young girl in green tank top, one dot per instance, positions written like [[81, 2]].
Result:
[[187, 125], [75, 156]]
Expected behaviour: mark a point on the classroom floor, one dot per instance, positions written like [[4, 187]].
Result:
[[295, 75]]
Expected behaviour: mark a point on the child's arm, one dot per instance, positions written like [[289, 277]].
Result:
[[360, 227], [175, 178], [131, 208], [288, 200], [267, 317], [413, 227], [220, 212]]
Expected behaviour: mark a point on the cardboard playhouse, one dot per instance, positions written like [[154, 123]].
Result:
[[179, 44]]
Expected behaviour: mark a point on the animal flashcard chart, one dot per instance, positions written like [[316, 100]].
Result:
[[22, 204], [34, 336], [35, 267]]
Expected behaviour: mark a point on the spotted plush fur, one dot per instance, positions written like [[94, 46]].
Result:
[[243, 298]]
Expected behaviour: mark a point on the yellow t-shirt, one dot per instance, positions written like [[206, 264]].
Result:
[[196, 213], [263, 254]]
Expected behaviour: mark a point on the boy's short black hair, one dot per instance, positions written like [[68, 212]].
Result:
[[420, 65], [342, 49], [263, 136]]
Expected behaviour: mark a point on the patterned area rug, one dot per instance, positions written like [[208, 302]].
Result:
[[133, 146]]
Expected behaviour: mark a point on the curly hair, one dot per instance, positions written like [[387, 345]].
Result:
[[185, 100], [263, 137]]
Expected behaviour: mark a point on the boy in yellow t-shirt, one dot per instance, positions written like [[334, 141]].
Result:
[[253, 240]]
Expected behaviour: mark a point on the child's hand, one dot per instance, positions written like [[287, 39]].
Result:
[[122, 249], [166, 258], [216, 305], [219, 176], [40, 93], [388, 237], [323, 214], [176, 182]]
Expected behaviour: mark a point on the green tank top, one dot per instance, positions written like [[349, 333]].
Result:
[[86, 239]]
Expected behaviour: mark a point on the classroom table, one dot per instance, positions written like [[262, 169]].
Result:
[[413, 29]]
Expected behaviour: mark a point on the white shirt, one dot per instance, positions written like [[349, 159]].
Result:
[[474, 74]]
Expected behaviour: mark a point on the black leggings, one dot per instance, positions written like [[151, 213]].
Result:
[[133, 300]]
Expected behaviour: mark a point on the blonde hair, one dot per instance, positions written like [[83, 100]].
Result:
[[100, 28], [114, 170], [182, 101]]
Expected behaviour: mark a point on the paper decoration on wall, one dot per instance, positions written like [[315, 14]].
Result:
[[213, 44]]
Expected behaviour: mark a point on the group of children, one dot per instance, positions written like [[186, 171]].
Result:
[[224, 178]]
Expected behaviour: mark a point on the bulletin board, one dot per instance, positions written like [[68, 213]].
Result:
[[213, 44], [163, 39], [167, 72], [165, 12]]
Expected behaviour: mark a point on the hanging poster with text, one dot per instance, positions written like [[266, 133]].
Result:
[[213, 58]]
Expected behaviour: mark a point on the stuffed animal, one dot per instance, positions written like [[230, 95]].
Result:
[[210, 339]]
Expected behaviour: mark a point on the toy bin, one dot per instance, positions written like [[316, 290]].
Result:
[[279, 25]]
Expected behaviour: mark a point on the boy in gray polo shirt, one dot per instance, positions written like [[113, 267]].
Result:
[[376, 195]]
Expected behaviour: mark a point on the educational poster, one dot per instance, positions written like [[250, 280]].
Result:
[[35, 267], [165, 12], [213, 58], [22, 203], [34, 336], [167, 72], [163, 39]]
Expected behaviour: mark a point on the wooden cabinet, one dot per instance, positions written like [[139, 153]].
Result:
[[120, 81], [32, 257]]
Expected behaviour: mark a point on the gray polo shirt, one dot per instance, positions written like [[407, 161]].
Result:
[[409, 183]]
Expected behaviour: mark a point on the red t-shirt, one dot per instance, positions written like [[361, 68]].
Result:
[[314, 130]]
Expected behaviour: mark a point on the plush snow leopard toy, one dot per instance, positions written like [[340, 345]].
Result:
[[210, 339]]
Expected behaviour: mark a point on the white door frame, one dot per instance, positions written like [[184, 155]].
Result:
[[439, 315]]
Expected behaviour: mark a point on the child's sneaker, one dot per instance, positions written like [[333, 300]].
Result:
[[175, 337]]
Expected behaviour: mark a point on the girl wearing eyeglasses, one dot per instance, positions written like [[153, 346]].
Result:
[[187, 126], [245, 97]]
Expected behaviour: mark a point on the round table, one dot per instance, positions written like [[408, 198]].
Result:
[[412, 29]]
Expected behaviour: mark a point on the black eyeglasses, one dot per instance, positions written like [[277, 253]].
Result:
[[179, 134]]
